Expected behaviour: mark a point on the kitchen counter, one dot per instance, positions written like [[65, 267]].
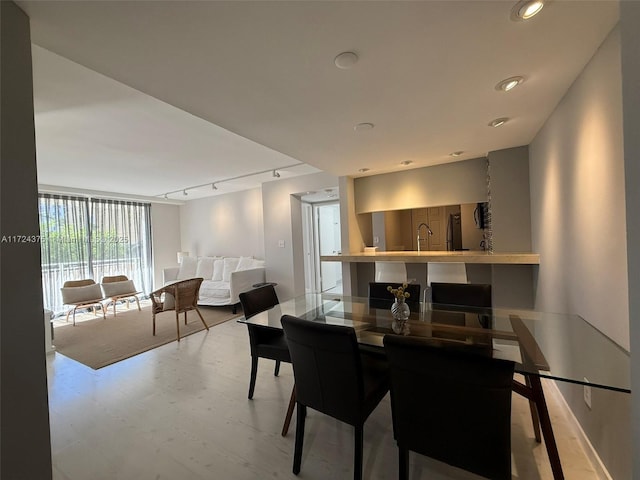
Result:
[[467, 256]]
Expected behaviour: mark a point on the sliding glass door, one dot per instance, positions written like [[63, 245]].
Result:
[[91, 238]]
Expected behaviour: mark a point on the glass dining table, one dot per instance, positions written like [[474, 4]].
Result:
[[560, 347]]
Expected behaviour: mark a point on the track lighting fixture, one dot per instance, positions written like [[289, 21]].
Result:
[[274, 173]]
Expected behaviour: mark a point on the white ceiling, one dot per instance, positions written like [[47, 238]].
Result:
[[211, 90]]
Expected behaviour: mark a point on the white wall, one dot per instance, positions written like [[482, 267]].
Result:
[[578, 227], [229, 225], [165, 234], [283, 221]]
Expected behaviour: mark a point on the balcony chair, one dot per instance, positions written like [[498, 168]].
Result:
[[181, 297], [119, 287], [334, 378], [82, 293], [458, 410]]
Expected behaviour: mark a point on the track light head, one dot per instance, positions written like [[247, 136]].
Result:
[[276, 174]]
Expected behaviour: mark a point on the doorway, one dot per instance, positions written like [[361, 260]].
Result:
[[321, 236]]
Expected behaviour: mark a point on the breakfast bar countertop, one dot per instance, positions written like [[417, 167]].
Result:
[[466, 256]]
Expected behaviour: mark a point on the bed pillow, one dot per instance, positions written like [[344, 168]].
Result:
[[118, 288], [218, 269], [205, 267], [71, 295], [245, 263], [187, 268], [230, 265]]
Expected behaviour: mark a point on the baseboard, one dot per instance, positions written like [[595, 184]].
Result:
[[585, 443]]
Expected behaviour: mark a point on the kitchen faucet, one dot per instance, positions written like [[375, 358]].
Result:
[[429, 232]]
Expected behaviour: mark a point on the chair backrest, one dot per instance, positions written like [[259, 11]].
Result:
[[258, 300], [391, 272], [186, 294], [326, 367], [380, 297], [446, 272], [453, 405], [78, 283], [114, 278], [470, 294]]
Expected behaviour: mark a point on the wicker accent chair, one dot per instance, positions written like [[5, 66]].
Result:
[[180, 297], [119, 287], [80, 294]]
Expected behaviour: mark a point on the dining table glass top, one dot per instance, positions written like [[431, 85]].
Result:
[[557, 346]]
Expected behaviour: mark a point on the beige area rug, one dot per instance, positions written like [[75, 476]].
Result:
[[99, 342]]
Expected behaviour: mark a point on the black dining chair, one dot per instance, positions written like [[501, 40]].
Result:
[[334, 378], [265, 342], [452, 404], [380, 297], [469, 294]]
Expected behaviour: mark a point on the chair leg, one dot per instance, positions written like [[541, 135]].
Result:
[[185, 318], [276, 372], [403, 462], [201, 318], [357, 453], [287, 418], [154, 324], [534, 414], [234, 309], [297, 453], [254, 373], [138, 302], [178, 323]]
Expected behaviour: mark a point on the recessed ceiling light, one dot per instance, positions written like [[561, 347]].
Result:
[[363, 170], [406, 162], [526, 9], [456, 154], [509, 83], [346, 60], [361, 127], [498, 122]]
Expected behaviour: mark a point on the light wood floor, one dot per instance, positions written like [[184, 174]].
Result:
[[180, 412]]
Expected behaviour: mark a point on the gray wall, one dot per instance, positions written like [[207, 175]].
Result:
[[165, 234], [25, 450], [282, 221], [448, 184], [578, 227], [630, 33], [229, 225], [511, 226]]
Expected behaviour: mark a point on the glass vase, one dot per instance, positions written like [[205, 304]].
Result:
[[400, 310]]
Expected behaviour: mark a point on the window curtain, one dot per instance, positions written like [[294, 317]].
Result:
[[93, 238], [64, 229], [121, 241]]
